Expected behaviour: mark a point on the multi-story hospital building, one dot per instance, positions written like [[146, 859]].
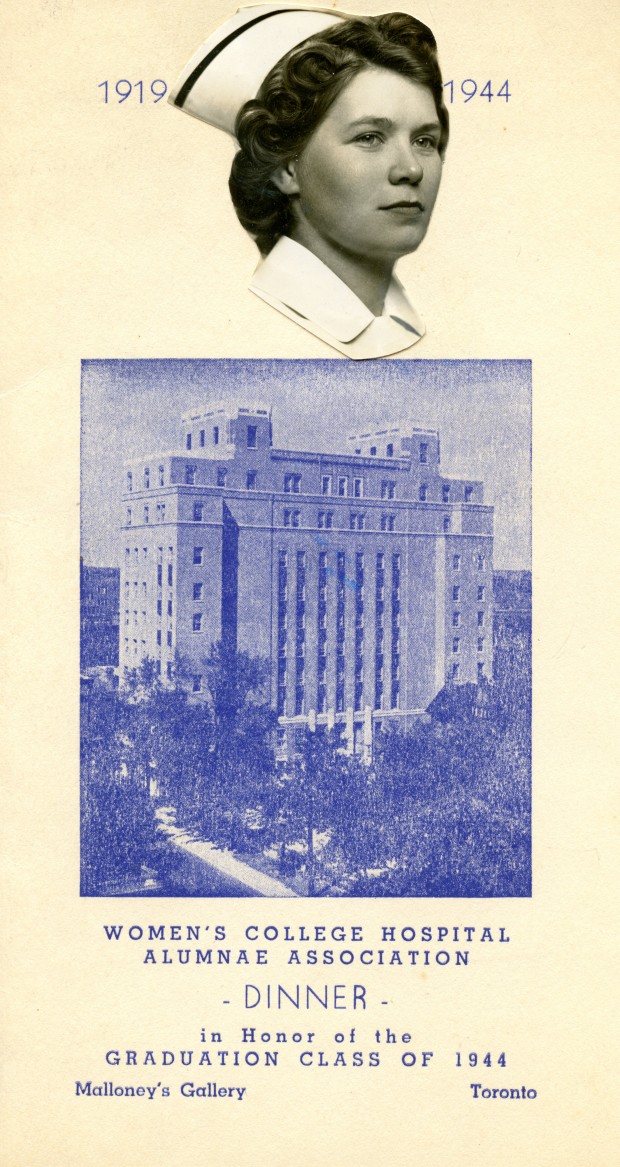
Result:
[[365, 577]]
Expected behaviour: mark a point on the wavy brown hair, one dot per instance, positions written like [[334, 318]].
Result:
[[277, 124]]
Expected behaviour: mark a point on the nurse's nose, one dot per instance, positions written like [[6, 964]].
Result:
[[406, 166]]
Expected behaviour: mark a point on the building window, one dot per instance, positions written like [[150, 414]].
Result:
[[373, 450], [188, 441], [196, 683], [456, 644], [480, 670], [469, 490], [358, 487], [325, 519], [481, 619], [159, 637], [388, 489], [389, 450], [292, 483], [198, 512], [169, 609], [251, 437], [456, 562], [387, 522], [128, 516], [456, 619], [342, 487], [169, 639], [481, 644], [300, 633], [190, 475], [480, 562], [445, 492], [456, 668], [159, 607], [202, 437], [481, 591], [159, 574], [423, 451], [197, 622], [291, 518], [129, 481], [326, 484], [446, 522], [423, 492], [456, 593], [160, 472], [197, 555], [282, 621], [250, 480], [221, 476], [197, 591], [169, 575], [147, 477], [357, 521], [146, 515], [216, 435]]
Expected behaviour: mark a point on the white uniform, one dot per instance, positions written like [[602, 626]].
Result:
[[300, 286]]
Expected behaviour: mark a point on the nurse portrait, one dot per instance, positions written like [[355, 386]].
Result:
[[342, 130]]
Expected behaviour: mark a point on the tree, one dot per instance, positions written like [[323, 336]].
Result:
[[117, 816]]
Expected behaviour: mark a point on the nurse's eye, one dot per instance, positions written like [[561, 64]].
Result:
[[370, 138], [426, 142]]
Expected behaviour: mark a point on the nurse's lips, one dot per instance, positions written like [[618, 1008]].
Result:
[[404, 206]]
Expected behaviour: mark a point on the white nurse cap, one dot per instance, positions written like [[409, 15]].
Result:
[[230, 67]]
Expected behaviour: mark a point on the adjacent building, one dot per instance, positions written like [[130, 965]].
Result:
[[366, 577], [99, 617]]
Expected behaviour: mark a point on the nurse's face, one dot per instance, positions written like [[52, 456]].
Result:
[[366, 183]]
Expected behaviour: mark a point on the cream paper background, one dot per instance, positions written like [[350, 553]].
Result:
[[120, 241]]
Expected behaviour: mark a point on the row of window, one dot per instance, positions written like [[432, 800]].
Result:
[[389, 451], [457, 592], [456, 619], [292, 484], [146, 478], [479, 560], [145, 553], [251, 437], [325, 519], [202, 438], [456, 644], [357, 520]]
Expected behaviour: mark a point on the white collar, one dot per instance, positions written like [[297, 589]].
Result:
[[295, 281]]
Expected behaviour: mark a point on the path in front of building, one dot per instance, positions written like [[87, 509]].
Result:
[[200, 868]]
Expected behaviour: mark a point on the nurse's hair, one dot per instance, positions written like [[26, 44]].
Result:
[[277, 124]]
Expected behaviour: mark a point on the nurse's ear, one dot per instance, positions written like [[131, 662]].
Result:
[[285, 178]]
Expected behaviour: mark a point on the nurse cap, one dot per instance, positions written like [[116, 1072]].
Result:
[[230, 67]]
